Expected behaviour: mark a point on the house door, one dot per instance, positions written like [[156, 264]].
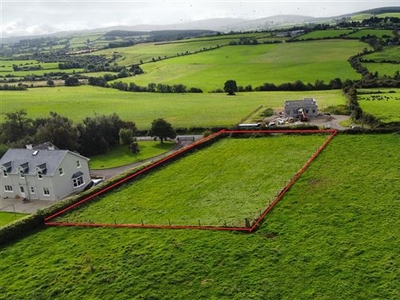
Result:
[[22, 190]]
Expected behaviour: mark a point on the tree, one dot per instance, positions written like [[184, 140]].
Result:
[[125, 136], [71, 81], [50, 82], [99, 133], [162, 129], [16, 127], [60, 131], [230, 87]]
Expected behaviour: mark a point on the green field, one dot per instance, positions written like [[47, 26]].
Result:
[[181, 110], [121, 155], [6, 68], [377, 32], [382, 68], [385, 106], [320, 34], [333, 236], [255, 65], [8, 217], [388, 53], [221, 185]]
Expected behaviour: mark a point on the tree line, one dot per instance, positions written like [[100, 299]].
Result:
[[94, 135]]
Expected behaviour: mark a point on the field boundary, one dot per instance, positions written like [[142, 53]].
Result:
[[199, 144]]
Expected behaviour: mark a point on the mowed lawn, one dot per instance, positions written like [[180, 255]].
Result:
[[384, 106], [8, 217], [255, 65], [221, 185], [333, 236], [181, 110]]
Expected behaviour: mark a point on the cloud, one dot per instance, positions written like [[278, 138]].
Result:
[[21, 17]]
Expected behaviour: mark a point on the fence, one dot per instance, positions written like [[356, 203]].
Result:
[[248, 227]]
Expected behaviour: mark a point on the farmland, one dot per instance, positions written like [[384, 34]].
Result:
[[324, 239], [214, 186], [255, 65], [384, 104], [323, 34], [142, 108]]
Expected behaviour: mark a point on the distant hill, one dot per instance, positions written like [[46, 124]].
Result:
[[222, 24]]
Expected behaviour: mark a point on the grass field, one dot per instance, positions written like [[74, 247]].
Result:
[[377, 32], [6, 68], [333, 236], [121, 155], [385, 106], [8, 217], [221, 185], [181, 110], [319, 34], [388, 53], [382, 68], [255, 65]]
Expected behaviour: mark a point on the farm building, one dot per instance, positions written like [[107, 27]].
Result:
[[43, 173], [307, 105]]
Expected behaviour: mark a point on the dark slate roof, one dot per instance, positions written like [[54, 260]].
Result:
[[77, 174], [30, 159]]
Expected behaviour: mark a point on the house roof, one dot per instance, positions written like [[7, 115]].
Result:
[[30, 159]]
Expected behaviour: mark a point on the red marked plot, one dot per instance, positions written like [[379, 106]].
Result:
[[212, 206]]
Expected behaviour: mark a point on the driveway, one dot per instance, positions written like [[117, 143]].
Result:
[[184, 140]]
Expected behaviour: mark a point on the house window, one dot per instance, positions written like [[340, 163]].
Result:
[[32, 190], [8, 188], [46, 191], [39, 175], [5, 173], [78, 163], [78, 181], [61, 171]]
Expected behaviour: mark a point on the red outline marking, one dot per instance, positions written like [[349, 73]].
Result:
[[333, 132]]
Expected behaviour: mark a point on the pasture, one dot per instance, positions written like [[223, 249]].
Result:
[[221, 185], [382, 68], [384, 104], [323, 34], [181, 110], [255, 65], [387, 54], [333, 235], [381, 33]]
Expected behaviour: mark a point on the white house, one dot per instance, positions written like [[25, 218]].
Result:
[[44, 173], [307, 105]]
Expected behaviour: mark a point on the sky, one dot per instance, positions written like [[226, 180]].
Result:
[[24, 18]]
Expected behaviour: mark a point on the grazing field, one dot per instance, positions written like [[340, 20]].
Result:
[[381, 33], [320, 34], [384, 104], [387, 54], [334, 235], [255, 65], [221, 185], [8, 217], [382, 68], [6, 68], [121, 155], [181, 110]]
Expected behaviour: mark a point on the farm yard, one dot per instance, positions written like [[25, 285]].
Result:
[[322, 234]]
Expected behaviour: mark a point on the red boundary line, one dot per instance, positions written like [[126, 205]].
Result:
[[333, 132]]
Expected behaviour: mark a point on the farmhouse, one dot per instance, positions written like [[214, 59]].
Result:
[[42, 173], [307, 105]]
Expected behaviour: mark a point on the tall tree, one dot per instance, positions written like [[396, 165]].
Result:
[[162, 129], [230, 87], [16, 127], [60, 130]]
